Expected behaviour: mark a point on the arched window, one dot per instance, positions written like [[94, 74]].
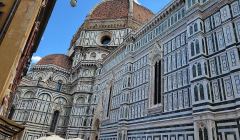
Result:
[[84, 56], [200, 134], [201, 92], [197, 46], [126, 112], [124, 137], [109, 101], [195, 26], [205, 68], [127, 98], [61, 100], [95, 98], [201, 27], [39, 80], [93, 56], [119, 136], [10, 116], [103, 56], [59, 85], [193, 2], [129, 80], [203, 46], [196, 93], [157, 92], [213, 134], [85, 122], [205, 134], [191, 30], [208, 92], [194, 71], [28, 94], [192, 49], [45, 97], [80, 100], [54, 121], [199, 69], [87, 110], [189, 3]]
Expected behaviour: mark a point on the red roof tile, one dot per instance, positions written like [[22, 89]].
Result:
[[56, 59]]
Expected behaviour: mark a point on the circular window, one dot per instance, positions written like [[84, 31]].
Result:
[[105, 40]]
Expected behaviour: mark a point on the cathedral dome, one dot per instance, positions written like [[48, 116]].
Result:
[[60, 60], [118, 9]]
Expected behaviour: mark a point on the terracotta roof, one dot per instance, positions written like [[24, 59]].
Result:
[[117, 9], [56, 59], [111, 10], [141, 14]]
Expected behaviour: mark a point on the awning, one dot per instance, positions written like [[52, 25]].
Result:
[[10, 129], [53, 137]]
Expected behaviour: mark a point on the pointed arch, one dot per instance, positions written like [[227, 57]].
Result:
[[54, 121], [191, 30], [208, 92], [199, 69], [109, 100], [194, 71], [205, 134], [205, 68], [192, 49], [189, 3], [195, 26], [197, 46], [201, 92], [196, 93], [200, 134], [203, 46]]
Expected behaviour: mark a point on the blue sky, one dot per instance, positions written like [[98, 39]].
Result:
[[65, 21]]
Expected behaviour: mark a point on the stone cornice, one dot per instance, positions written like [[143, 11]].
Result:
[[50, 66], [159, 17]]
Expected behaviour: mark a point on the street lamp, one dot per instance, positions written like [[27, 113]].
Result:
[[73, 3]]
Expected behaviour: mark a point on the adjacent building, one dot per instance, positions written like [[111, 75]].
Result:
[[130, 74], [22, 25]]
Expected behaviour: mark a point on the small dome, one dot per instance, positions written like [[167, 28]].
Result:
[[60, 60]]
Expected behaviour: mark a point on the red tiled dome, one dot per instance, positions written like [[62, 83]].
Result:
[[56, 59], [116, 9]]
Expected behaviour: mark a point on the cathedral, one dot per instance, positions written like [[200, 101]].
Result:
[[130, 74]]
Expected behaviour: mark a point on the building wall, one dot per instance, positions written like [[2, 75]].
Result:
[[14, 41], [6, 9], [188, 54]]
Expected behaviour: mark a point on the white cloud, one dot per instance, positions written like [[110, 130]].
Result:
[[137, 2], [35, 59]]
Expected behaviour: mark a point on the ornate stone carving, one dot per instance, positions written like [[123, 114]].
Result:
[[217, 19], [207, 25], [220, 38], [216, 92], [233, 59], [237, 82], [178, 42], [235, 8], [228, 87], [224, 63]]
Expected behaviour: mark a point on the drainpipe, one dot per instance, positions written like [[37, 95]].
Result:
[[9, 19]]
